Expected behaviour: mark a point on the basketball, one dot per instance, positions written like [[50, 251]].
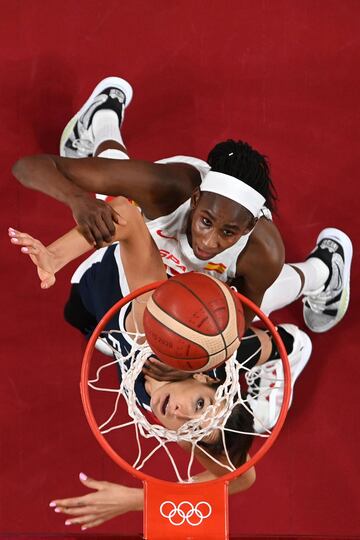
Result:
[[193, 322]]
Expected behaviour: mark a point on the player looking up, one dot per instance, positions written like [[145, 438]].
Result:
[[212, 217], [137, 248]]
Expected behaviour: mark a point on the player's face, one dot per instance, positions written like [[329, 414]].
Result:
[[175, 403], [216, 223]]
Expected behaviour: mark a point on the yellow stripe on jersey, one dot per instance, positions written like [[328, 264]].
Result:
[[216, 267]]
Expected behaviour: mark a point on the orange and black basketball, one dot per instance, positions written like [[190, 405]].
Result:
[[194, 322]]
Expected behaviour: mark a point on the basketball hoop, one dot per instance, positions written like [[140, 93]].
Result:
[[172, 509]]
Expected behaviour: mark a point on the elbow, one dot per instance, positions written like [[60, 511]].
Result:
[[27, 168], [17, 168], [250, 481], [20, 170], [243, 482]]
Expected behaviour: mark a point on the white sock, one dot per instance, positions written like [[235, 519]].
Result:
[[105, 127], [111, 153], [285, 289], [315, 273]]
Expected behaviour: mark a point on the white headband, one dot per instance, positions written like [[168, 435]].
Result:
[[234, 189]]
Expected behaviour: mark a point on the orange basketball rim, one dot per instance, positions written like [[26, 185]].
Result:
[[183, 510]]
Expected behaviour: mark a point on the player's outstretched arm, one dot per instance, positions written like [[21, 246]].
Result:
[[43, 259], [107, 501], [49, 260], [157, 188]]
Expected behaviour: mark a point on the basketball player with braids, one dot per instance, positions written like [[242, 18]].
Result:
[[212, 216], [99, 284]]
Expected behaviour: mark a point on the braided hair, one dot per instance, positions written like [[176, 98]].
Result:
[[239, 159]]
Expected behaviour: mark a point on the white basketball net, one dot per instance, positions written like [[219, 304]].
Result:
[[262, 383]]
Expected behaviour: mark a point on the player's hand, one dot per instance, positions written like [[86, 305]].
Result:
[[106, 502], [38, 253], [156, 369], [95, 219]]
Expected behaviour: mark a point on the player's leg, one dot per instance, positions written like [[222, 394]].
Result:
[[95, 131], [265, 381], [95, 128], [259, 356], [323, 279], [98, 121], [258, 346]]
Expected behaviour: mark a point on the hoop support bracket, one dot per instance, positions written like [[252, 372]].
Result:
[[181, 511]]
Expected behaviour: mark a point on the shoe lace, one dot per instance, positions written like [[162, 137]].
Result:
[[252, 375], [317, 302], [265, 371], [84, 146]]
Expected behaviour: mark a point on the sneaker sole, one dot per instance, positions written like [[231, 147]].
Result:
[[114, 82], [346, 243]]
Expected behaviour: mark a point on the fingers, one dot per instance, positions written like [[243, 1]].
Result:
[[96, 232], [153, 364], [85, 515], [87, 234], [98, 226], [105, 223], [94, 523], [107, 501], [70, 503], [117, 218], [153, 361], [109, 223], [28, 243], [75, 502], [86, 521], [103, 230], [147, 370], [83, 500], [91, 482], [74, 510]]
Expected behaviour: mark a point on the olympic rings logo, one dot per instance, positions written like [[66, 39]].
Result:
[[185, 511]]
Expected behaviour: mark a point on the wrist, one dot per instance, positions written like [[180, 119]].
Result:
[[74, 195], [137, 498], [67, 248], [57, 262]]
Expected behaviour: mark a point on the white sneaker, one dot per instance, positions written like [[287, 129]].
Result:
[[77, 139], [266, 382], [324, 309]]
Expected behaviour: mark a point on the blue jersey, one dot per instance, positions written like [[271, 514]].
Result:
[[101, 283]]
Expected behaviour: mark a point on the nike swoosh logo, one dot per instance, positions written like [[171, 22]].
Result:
[[339, 281]]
